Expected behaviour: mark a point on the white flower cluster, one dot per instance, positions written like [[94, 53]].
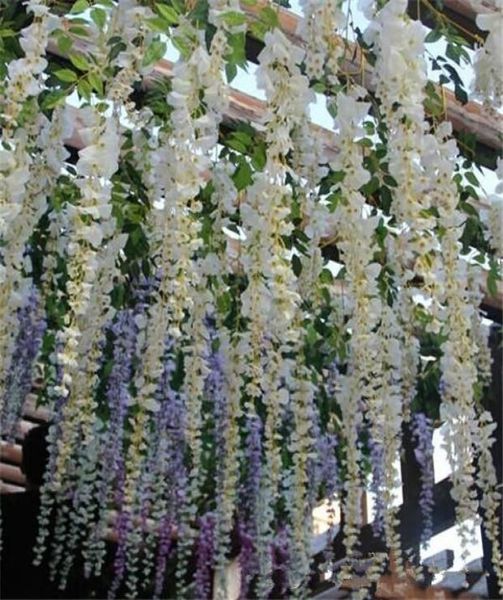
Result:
[[495, 215], [400, 76], [30, 184], [266, 363], [357, 244], [400, 69], [392, 400], [318, 29], [488, 61], [465, 441], [488, 482], [301, 445], [271, 300], [24, 74], [91, 252], [90, 224], [129, 20], [19, 171], [228, 481]]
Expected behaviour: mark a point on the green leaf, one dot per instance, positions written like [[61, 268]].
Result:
[[453, 52], [369, 127], [168, 13], [237, 49], [79, 30], [231, 71], [269, 17], [365, 142], [468, 209], [234, 18], [326, 276], [155, 51], [65, 43], [492, 282], [96, 82], [237, 145], [258, 30], [66, 75], [296, 265], [84, 89], [80, 61], [472, 178], [5, 33], [370, 187], [181, 45], [460, 94], [243, 176], [99, 16], [158, 24], [53, 99], [179, 6], [79, 6], [433, 36], [115, 50], [259, 157]]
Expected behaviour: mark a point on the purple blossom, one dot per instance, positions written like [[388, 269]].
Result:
[[280, 560], [171, 429], [327, 468], [215, 392], [163, 552], [376, 486], [118, 394], [31, 329], [422, 432], [123, 527], [247, 557], [326, 475], [205, 550], [248, 525], [253, 462], [170, 462], [112, 473]]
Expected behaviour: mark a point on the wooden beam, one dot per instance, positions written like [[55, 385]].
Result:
[[11, 453], [8, 488], [12, 474]]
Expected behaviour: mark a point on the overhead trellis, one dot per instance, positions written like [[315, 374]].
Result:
[[212, 375]]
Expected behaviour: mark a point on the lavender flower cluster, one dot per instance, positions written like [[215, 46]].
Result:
[[422, 431], [205, 551], [19, 380]]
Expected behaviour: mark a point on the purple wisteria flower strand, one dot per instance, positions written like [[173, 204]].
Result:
[[280, 559], [377, 483], [169, 489], [205, 550], [422, 432], [248, 523], [19, 381], [124, 332]]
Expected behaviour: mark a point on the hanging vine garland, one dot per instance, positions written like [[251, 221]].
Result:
[[210, 383]]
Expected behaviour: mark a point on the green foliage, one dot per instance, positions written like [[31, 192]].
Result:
[[154, 52]]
